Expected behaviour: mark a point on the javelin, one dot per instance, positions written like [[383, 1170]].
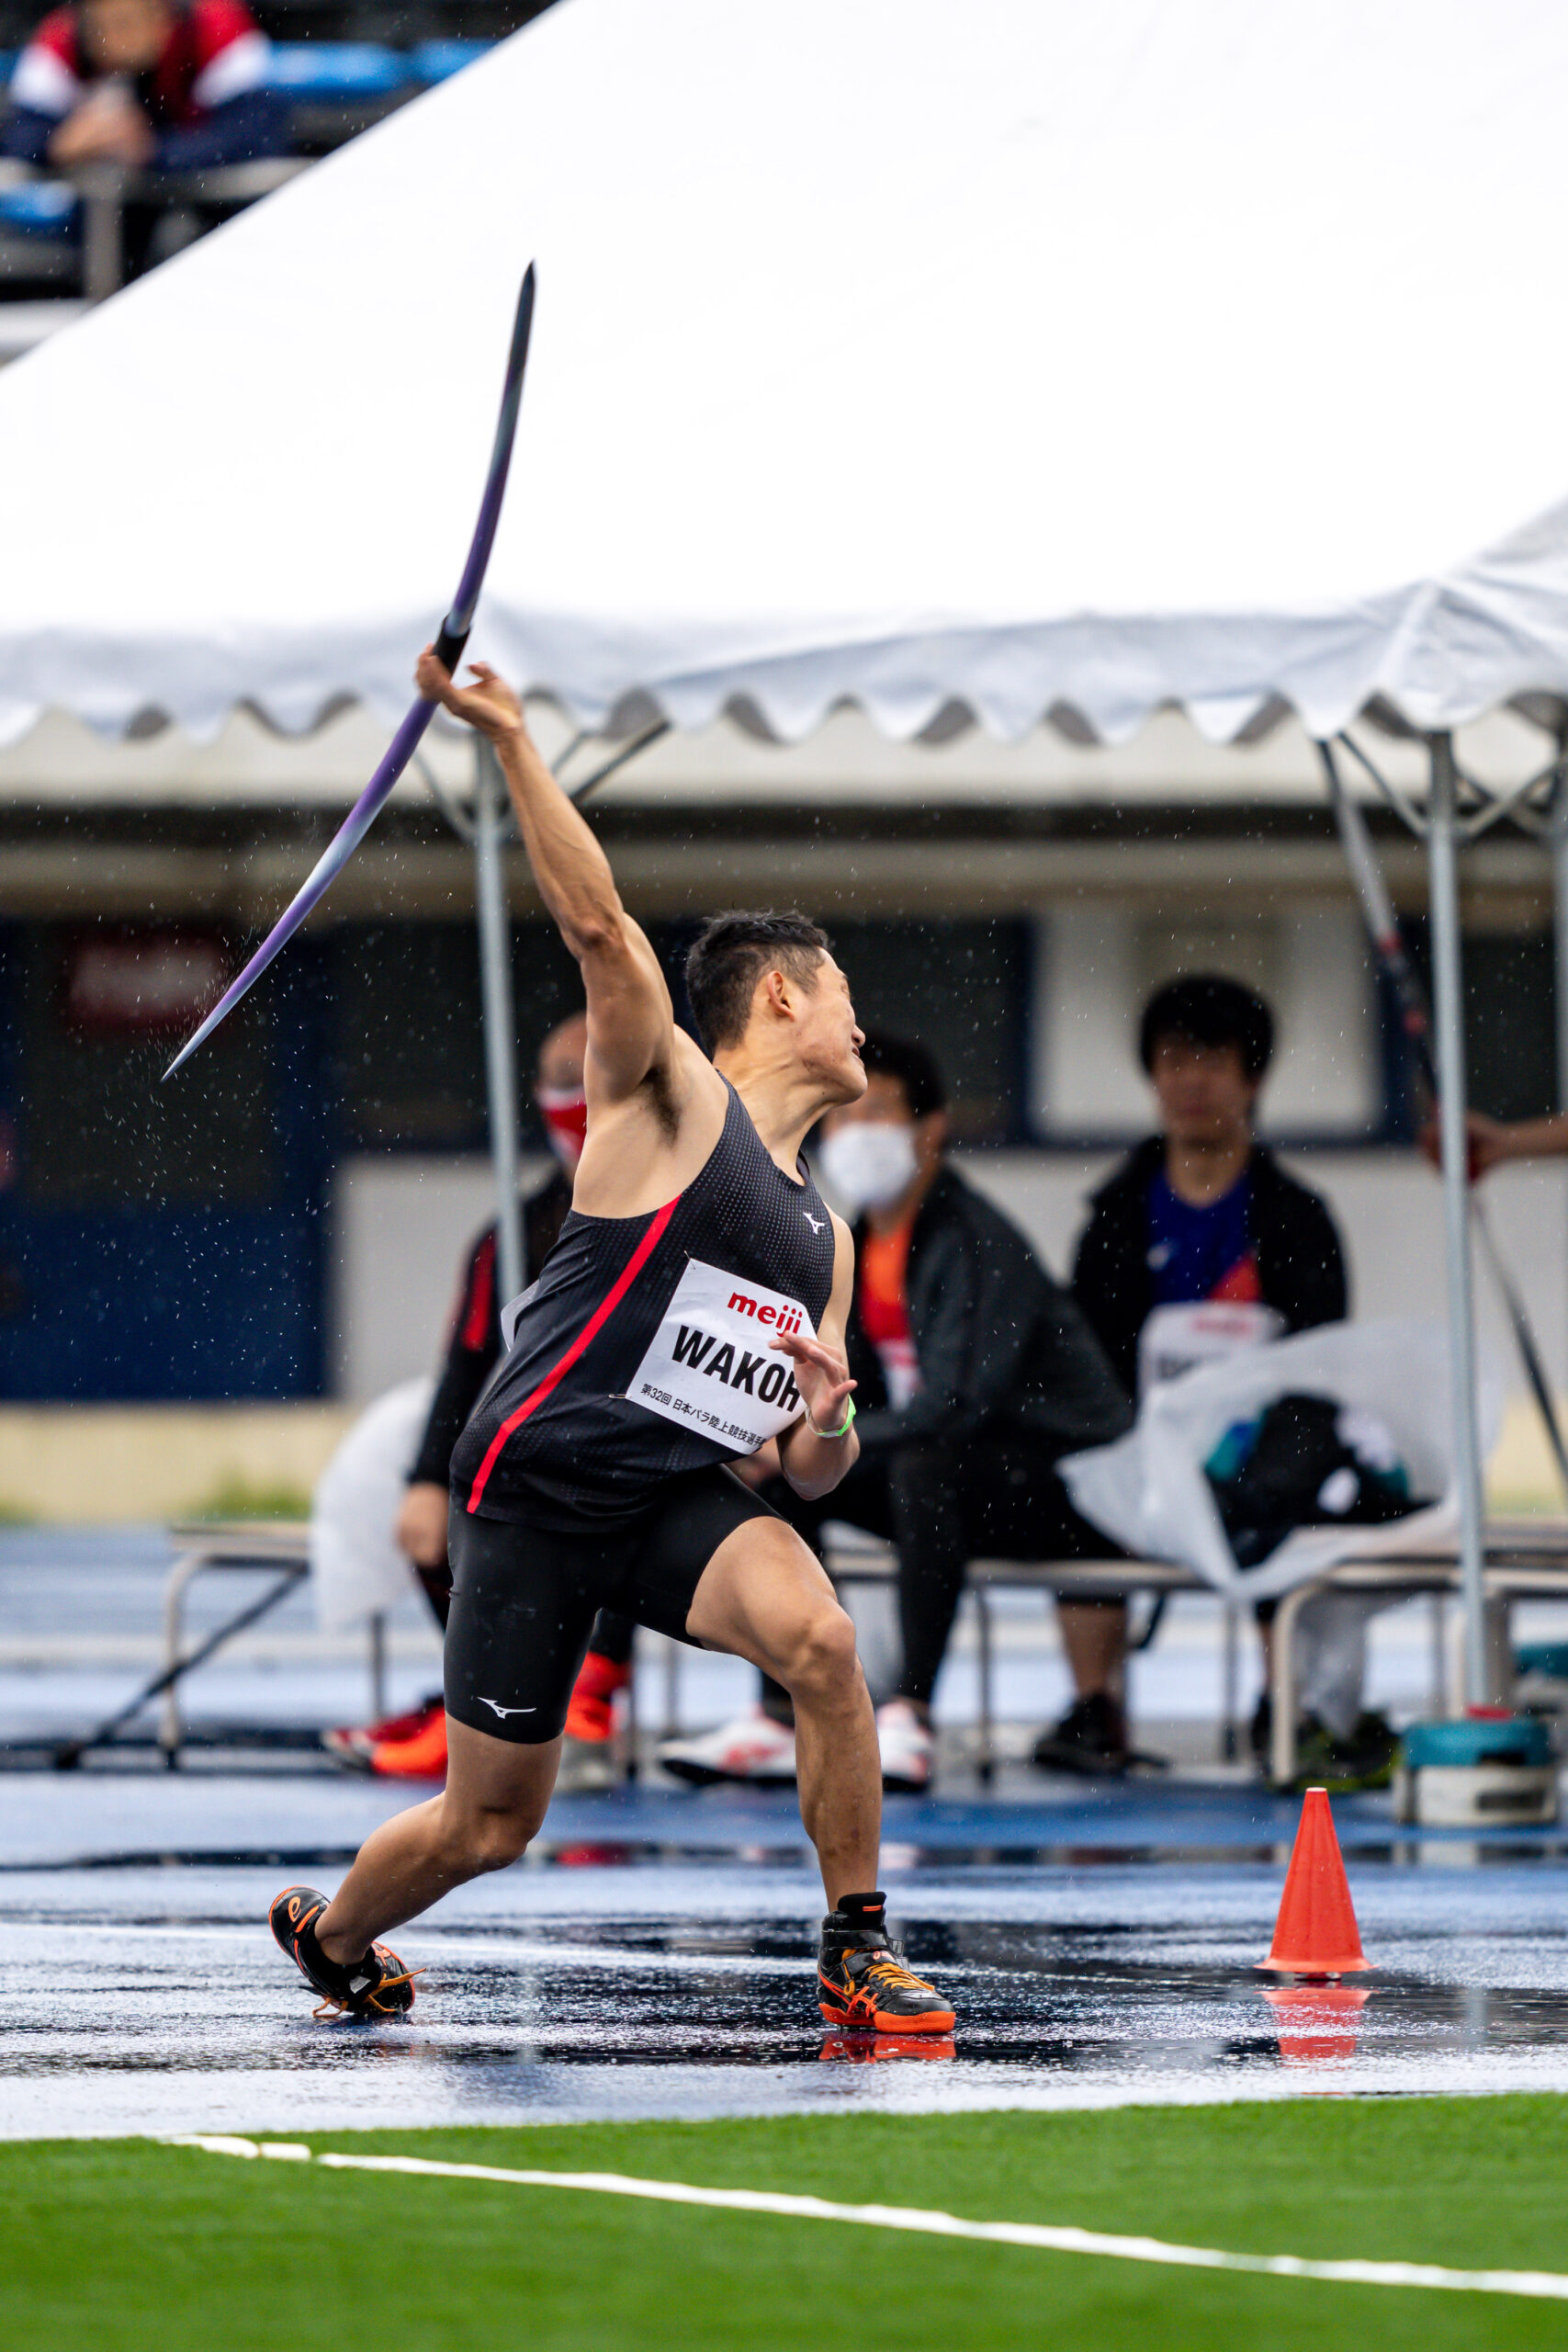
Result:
[[1382, 927], [449, 651]]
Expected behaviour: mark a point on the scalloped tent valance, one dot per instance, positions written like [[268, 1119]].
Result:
[[1018, 358]]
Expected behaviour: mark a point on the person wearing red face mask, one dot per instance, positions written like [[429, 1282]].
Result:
[[413, 1746]]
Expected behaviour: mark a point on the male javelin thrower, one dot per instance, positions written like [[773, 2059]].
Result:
[[693, 1308]]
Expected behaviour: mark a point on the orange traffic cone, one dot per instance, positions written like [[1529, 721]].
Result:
[[1315, 1933]]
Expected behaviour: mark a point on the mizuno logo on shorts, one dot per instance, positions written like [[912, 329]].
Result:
[[504, 1711]]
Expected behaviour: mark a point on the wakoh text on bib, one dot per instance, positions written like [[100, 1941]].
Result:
[[710, 1367]]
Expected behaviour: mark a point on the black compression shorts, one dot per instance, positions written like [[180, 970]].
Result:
[[524, 1598]]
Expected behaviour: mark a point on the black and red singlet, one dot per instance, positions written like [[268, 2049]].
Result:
[[643, 1349]]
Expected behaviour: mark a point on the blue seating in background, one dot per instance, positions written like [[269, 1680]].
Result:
[[436, 60], [38, 209], [347, 69], [337, 69]]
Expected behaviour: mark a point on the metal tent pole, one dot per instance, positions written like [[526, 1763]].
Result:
[[495, 985], [1560, 915], [1449, 1023]]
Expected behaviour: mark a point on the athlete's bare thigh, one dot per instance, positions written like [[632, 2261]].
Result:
[[760, 1594]]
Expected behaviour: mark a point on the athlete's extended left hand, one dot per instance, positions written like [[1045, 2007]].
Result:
[[821, 1374]]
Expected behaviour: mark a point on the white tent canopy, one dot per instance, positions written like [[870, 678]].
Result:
[[1027, 358]]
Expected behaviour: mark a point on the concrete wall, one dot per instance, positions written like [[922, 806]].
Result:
[[111, 1464], [400, 1229]]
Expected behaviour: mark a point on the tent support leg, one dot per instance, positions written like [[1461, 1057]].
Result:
[[1559, 927], [501, 1036], [1449, 1025]]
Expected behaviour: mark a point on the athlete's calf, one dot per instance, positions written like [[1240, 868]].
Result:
[[763, 1596], [496, 1796]]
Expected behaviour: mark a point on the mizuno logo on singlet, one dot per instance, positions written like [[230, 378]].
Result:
[[815, 1223]]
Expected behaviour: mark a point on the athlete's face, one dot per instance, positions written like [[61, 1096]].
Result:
[[828, 1039], [126, 36], [1206, 1096]]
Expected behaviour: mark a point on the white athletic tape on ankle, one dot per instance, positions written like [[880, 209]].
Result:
[[1541, 2284]]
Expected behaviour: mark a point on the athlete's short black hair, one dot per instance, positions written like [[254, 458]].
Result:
[[913, 1066], [729, 956], [1207, 1009]]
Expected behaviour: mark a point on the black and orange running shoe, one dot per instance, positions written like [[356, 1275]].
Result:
[[863, 1983], [376, 1986]]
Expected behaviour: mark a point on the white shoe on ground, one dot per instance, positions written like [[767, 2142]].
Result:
[[753, 1748], [587, 1766], [906, 1747]]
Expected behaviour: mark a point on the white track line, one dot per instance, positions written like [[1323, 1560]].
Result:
[[1544, 2284]]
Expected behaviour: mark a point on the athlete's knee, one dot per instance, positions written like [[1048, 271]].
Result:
[[820, 1659], [489, 1838]]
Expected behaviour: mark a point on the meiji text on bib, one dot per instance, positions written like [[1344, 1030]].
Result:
[[710, 1368]]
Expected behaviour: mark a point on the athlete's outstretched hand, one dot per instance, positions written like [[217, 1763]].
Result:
[[821, 1374], [489, 705]]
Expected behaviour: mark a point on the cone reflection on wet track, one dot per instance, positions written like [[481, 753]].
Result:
[[1316, 2023]]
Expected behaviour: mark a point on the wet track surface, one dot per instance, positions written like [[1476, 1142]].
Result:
[[654, 1957], [616, 1979]]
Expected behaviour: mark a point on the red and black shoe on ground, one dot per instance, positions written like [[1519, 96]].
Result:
[[863, 1983], [376, 1986], [356, 1743]]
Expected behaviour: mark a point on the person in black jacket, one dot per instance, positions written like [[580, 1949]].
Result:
[[976, 1373], [413, 1746], [1198, 1243]]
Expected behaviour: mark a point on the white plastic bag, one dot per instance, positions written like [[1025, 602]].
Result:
[[355, 1565], [1148, 1490]]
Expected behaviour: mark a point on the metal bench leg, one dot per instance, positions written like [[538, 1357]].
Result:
[[1282, 1695], [1228, 1682], [986, 1764], [180, 1576], [628, 1720], [378, 1627]]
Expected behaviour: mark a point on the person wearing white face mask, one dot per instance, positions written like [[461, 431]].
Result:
[[975, 1374], [413, 1746]]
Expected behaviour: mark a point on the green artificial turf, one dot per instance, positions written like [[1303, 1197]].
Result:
[[123, 2246]]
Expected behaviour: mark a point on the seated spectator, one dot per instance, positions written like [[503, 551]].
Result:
[[1199, 1218], [975, 1374], [413, 1746], [148, 83]]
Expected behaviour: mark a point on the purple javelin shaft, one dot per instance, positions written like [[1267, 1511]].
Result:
[[401, 750], [325, 871]]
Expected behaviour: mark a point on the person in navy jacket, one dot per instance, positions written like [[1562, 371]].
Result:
[[146, 84]]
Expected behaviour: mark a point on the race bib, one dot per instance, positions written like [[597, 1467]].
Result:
[[710, 1368], [1177, 1339]]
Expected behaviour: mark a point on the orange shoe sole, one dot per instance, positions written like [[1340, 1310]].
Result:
[[872, 2020]]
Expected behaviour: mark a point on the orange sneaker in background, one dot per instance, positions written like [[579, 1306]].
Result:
[[421, 1756], [591, 1714]]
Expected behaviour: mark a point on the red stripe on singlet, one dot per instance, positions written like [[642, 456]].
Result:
[[589, 1330], [482, 1296]]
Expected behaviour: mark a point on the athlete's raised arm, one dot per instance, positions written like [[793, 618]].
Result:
[[631, 1022]]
